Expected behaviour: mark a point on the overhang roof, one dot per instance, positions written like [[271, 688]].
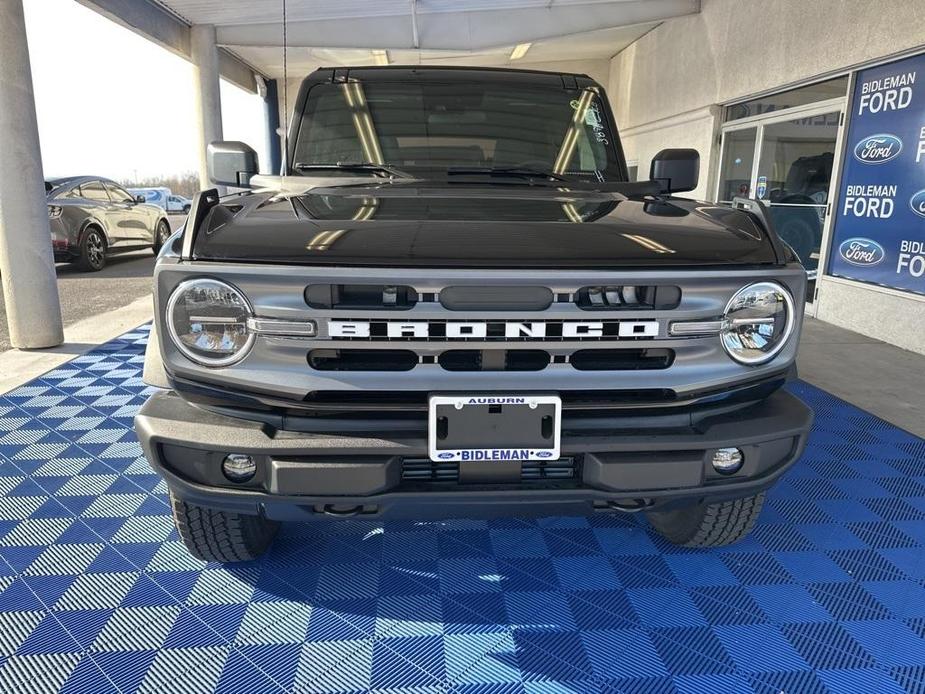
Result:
[[347, 32]]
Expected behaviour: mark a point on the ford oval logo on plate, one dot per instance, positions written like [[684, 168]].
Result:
[[862, 252], [445, 456], [877, 149], [917, 203], [544, 454]]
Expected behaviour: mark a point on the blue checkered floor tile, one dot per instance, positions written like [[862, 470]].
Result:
[[98, 595]]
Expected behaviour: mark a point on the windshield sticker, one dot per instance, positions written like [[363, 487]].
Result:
[[594, 119]]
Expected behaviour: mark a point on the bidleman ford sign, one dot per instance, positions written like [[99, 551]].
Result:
[[879, 234]]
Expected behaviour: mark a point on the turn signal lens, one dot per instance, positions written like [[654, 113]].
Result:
[[207, 321], [757, 322]]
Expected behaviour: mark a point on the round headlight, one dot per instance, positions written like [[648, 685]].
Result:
[[758, 320], [207, 321]]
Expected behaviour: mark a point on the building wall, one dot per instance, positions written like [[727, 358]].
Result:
[[666, 86], [661, 85]]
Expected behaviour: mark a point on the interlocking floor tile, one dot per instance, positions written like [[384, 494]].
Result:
[[98, 595]]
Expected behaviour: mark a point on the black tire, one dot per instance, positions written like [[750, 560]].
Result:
[[187, 208], [161, 234], [214, 535], [708, 525], [92, 256]]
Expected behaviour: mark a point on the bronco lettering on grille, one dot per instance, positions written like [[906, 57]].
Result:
[[493, 330]]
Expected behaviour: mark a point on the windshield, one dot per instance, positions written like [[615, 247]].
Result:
[[427, 128]]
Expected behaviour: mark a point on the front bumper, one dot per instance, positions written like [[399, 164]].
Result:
[[301, 476]]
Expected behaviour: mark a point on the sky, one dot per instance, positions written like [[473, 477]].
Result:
[[111, 103]]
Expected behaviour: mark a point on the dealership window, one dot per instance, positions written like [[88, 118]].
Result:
[[802, 96], [780, 149]]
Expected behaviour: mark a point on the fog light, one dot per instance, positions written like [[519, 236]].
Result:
[[238, 467], [727, 460]]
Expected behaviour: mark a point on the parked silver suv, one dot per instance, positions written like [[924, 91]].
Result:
[[92, 218]]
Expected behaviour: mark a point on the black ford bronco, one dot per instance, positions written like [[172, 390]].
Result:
[[454, 302]]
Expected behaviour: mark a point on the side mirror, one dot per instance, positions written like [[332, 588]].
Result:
[[232, 164], [140, 199], [676, 170]]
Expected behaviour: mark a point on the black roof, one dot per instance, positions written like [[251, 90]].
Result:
[[76, 180], [425, 72]]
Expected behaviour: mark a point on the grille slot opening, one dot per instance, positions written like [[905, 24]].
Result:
[[513, 298], [361, 296], [362, 359], [534, 470], [494, 360], [621, 359], [426, 471], [628, 297]]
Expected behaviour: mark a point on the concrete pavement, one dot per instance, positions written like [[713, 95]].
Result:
[[83, 295], [125, 278]]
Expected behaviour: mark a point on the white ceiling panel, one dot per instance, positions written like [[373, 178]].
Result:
[[453, 32], [232, 12], [600, 44]]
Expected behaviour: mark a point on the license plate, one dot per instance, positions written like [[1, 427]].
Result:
[[486, 428]]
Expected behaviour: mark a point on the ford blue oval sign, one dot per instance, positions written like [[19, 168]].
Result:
[[860, 251], [877, 149], [917, 203]]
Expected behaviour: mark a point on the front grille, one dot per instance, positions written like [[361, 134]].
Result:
[[386, 297], [489, 359], [426, 471]]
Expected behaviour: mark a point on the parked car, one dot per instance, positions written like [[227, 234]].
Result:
[[467, 308], [164, 198], [93, 217]]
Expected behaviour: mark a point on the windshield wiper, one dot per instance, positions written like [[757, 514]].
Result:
[[355, 166], [514, 171]]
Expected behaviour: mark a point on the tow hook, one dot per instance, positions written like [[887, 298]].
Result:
[[339, 510], [626, 506]]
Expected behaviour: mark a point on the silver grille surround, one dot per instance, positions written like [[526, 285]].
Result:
[[277, 364]]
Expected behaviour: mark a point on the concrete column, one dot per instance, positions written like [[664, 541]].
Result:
[[27, 266], [204, 54]]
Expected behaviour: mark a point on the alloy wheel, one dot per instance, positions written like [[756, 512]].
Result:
[[95, 249]]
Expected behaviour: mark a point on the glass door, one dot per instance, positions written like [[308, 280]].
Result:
[[793, 176], [738, 160], [786, 159]]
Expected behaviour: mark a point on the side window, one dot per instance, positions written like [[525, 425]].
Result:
[[118, 194], [74, 193], [94, 191]]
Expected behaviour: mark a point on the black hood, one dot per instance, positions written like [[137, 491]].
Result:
[[457, 225]]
